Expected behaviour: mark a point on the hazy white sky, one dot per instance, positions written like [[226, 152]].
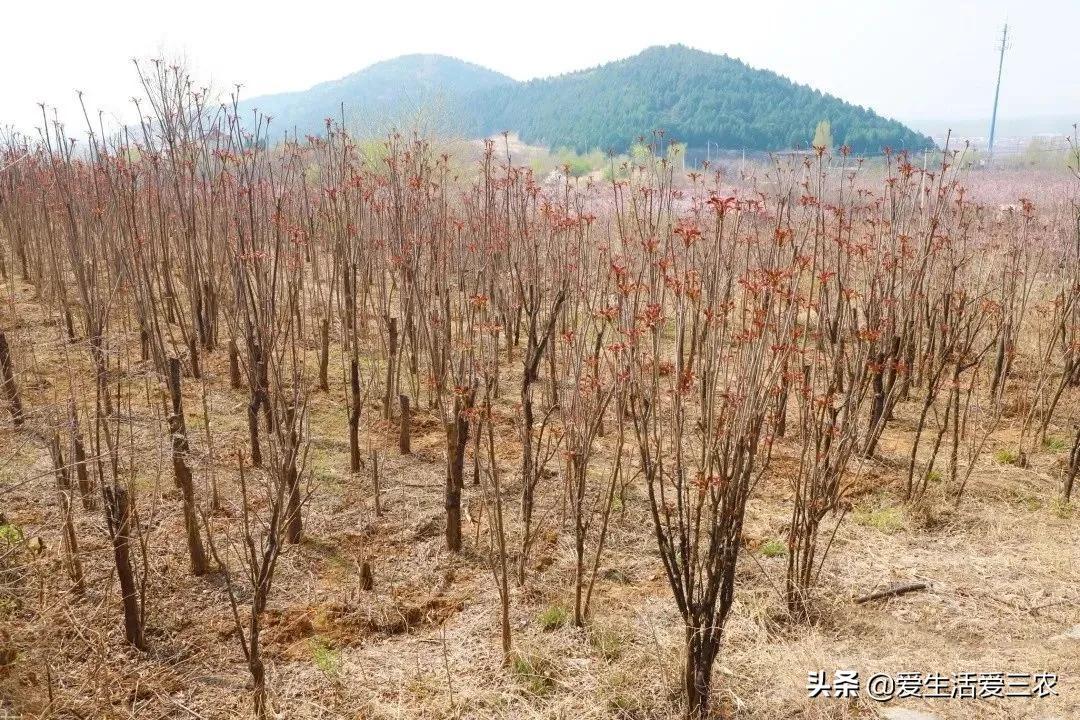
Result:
[[908, 59]]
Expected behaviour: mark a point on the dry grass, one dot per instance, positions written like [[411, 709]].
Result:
[[424, 642]]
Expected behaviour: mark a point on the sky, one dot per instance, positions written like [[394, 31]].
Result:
[[919, 61]]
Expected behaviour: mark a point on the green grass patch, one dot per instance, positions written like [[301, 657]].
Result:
[[1055, 444], [889, 520], [326, 658], [11, 533], [607, 642], [617, 503], [535, 672], [1006, 457], [554, 617], [773, 548]]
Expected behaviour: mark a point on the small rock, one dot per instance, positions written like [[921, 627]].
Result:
[[1072, 633]]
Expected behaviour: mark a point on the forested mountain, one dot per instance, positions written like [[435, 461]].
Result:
[[696, 97], [394, 91]]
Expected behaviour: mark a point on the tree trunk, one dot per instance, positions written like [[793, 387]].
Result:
[[258, 680], [781, 402], [7, 374], [391, 357], [209, 315], [69, 325], [264, 391], [528, 483], [234, 365], [182, 472], [193, 355], [579, 570], [999, 364], [294, 529], [1073, 471], [954, 450], [375, 482], [324, 355], [253, 432], [701, 651], [405, 426], [877, 406], [457, 437], [101, 370], [257, 399], [119, 514], [86, 488], [70, 540], [71, 544], [504, 613], [367, 579], [354, 416]]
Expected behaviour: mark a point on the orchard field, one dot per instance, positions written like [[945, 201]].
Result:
[[375, 430]]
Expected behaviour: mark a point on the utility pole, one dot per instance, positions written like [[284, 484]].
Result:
[[997, 88]]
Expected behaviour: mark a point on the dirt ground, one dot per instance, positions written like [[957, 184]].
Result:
[[1004, 570]]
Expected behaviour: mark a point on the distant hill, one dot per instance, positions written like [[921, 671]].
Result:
[[388, 92], [696, 97]]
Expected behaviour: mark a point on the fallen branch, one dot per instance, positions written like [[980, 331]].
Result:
[[893, 590]]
